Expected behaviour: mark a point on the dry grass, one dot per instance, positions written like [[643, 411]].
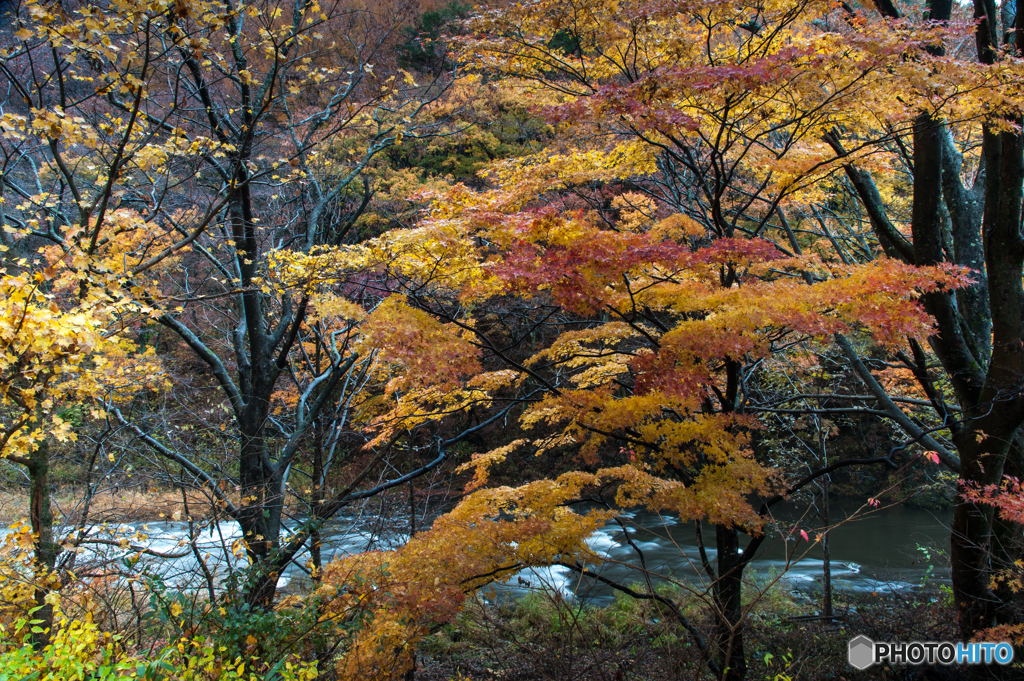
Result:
[[122, 505], [115, 506]]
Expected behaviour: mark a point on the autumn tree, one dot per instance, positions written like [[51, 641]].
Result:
[[53, 359], [704, 129], [966, 209], [193, 158], [633, 252], [749, 124]]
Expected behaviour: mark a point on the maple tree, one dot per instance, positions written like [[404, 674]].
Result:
[[727, 157], [747, 112], [655, 301]]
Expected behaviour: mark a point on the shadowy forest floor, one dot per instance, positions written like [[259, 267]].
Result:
[[543, 637]]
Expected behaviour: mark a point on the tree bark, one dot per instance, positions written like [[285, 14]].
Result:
[[46, 550], [998, 412], [728, 597], [260, 509]]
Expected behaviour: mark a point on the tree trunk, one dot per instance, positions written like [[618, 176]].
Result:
[[971, 538], [728, 597], [315, 537], [988, 388], [320, 649], [260, 518], [45, 548], [998, 411]]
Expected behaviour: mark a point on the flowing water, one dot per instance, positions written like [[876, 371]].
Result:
[[872, 550]]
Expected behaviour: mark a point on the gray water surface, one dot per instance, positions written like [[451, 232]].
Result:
[[872, 551]]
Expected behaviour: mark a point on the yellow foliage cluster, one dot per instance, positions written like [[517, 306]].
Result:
[[79, 650], [762, 92], [48, 355]]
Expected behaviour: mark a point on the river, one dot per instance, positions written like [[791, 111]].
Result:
[[872, 550]]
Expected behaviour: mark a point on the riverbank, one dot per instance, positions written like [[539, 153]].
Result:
[[112, 506], [542, 636]]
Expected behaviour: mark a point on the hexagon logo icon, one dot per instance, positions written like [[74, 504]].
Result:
[[862, 652]]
